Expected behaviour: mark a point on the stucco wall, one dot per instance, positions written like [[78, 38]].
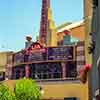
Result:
[[60, 90], [79, 32]]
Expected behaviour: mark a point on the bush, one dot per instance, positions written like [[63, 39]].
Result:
[[5, 93], [26, 89]]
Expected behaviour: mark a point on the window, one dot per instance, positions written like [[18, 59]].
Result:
[[71, 69], [18, 72], [70, 98], [46, 71]]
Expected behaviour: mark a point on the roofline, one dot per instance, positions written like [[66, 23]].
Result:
[[71, 26], [4, 52]]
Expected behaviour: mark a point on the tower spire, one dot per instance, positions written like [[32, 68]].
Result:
[[44, 21], [47, 35]]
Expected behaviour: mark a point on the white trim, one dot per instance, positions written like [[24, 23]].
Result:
[[73, 25]]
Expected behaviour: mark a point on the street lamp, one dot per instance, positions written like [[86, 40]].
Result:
[[41, 91]]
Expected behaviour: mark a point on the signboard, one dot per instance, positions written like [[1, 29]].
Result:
[[46, 54], [60, 53], [40, 55]]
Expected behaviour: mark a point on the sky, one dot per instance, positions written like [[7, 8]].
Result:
[[19, 18]]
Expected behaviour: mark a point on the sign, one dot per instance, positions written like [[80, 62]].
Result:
[[37, 56], [46, 54], [60, 53]]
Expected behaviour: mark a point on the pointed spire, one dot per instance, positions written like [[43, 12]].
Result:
[[47, 27], [44, 21]]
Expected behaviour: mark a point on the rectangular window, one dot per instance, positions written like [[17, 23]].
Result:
[[46, 71], [52, 70], [71, 69], [18, 72]]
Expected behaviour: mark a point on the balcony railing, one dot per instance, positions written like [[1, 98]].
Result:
[[50, 54]]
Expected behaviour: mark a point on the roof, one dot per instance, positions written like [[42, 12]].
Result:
[[70, 26], [63, 25], [6, 52]]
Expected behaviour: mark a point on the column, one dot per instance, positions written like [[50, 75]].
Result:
[[27, 71], [8, 72], [21, 73], [63, 65]]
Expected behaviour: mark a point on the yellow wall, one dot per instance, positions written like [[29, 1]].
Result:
[[61, 90], [51, 36]]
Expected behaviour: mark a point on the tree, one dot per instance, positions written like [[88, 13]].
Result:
[[26, 89], [5, 93]]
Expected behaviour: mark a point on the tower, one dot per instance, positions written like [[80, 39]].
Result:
[[44, 21], [47, 35]]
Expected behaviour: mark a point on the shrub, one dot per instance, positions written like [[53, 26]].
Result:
[[26, 89], [5, 93]]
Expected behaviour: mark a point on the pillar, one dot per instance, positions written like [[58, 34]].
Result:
[[8, 72], [27, 71], [63, 65]]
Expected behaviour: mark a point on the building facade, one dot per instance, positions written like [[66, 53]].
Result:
[[53, 67], [3, 62]]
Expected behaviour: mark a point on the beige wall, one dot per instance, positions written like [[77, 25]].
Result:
[[87, 22], [79, 32], [4, 59], [87, 8]]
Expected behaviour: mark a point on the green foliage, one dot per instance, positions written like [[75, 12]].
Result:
[[26, 89], [5, 93]]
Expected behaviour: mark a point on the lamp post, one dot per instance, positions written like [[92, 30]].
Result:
[[41, 91]]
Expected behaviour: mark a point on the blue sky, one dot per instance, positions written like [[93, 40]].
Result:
[[19, 18]]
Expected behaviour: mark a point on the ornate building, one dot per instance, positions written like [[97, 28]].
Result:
[[53, 67]]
